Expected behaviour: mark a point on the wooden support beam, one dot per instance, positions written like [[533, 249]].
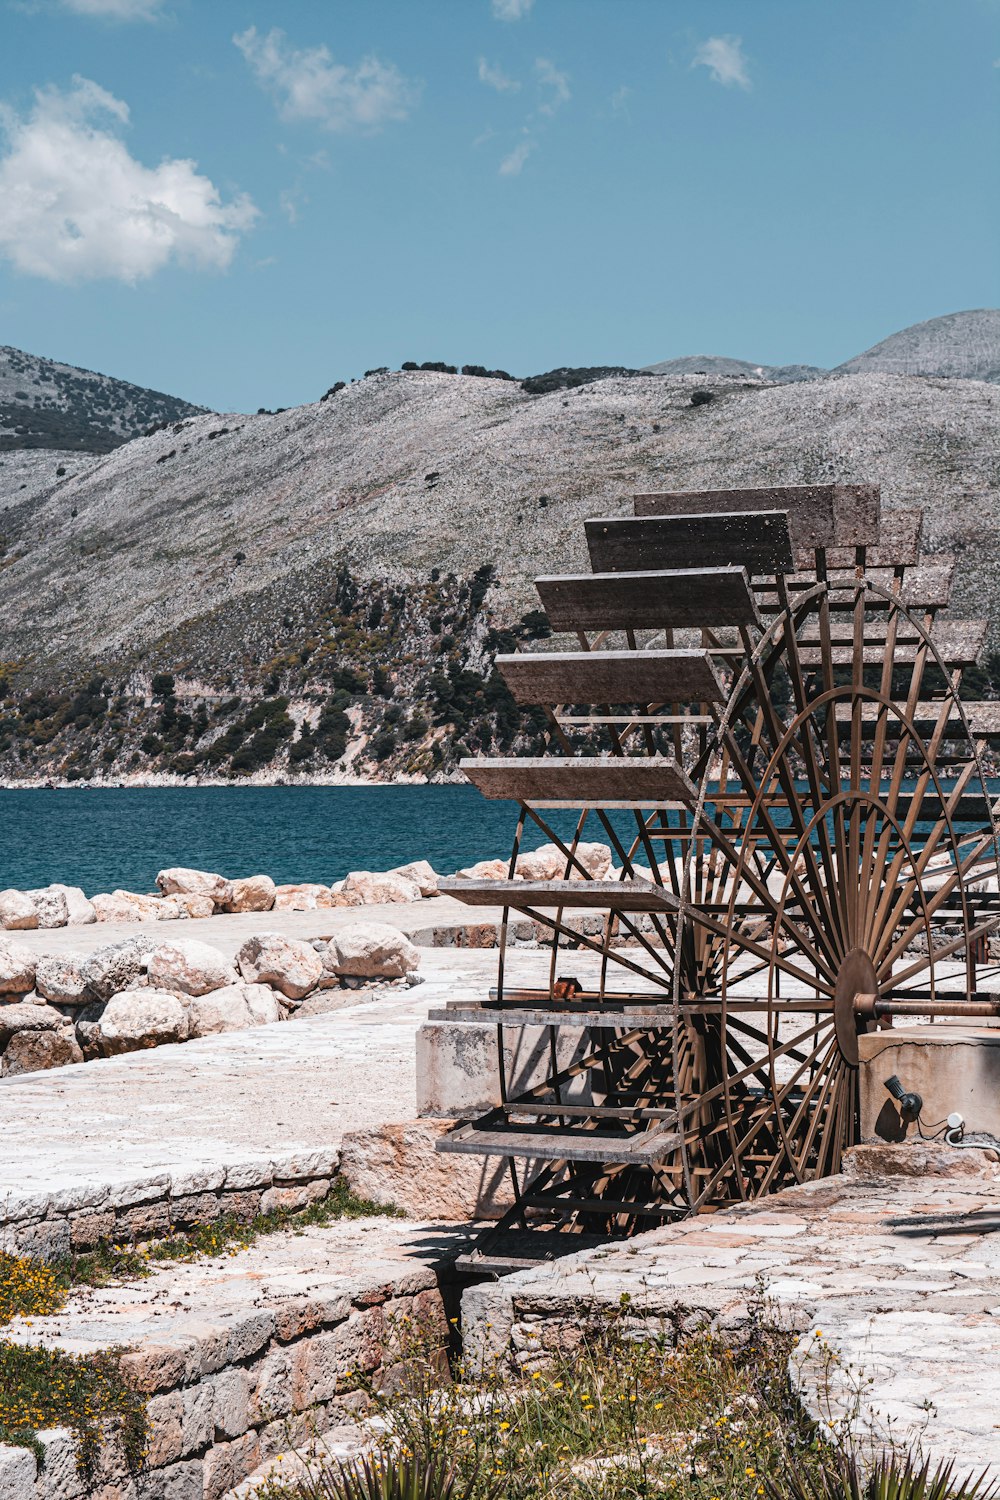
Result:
[[612, 677], [662, 599], [819, 515], [755, 540], [580, 895], [579, 781]]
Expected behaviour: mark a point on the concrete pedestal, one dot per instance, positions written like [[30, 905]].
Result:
[[458, 1074], [953, 1067]]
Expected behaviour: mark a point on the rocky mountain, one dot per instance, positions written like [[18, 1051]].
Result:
[[718, 364], [320, 591], [44, 404], [961, 346]]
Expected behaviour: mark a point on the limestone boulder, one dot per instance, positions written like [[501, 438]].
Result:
[[372, 950], [376, 888], [17, 968], [184, 882], [185, 907], [17, 911], [344, 898], [596, 860], [544, 863], [397, 1165], [306, 897], [234, 1008], [286, 964], [421, 873], [116, 966], [81, 910], [21, 1016], [136, 1019], [128, 906], [486, 869], [61, 981], [191, 967], [35, 1051], [51, 906], [255, 893]]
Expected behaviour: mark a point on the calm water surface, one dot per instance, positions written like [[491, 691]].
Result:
[[104, 839]]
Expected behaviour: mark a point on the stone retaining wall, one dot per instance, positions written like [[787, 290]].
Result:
[[76, 1215], [227, 1394]]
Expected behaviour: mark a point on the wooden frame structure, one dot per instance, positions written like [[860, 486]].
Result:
[[793, 789]]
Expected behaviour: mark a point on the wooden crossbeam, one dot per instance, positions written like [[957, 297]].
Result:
[[755, 540], [898, 544], [582, 895], [657, 599], [559, 1144], [819, 515], [583, 781], [612, 677]]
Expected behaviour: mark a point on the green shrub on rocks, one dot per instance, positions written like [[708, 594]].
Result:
[[89, 1394]]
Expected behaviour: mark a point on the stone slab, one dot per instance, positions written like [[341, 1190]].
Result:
[[953, 1067], [919, 1313]]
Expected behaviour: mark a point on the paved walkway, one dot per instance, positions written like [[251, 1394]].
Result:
[[918, 1315]]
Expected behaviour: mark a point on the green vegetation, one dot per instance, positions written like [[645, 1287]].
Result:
[[567, 379]]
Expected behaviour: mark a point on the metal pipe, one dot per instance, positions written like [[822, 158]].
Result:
[[937, 1008]]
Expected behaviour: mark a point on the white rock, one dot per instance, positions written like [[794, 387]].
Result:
[[17, 911], [233, 1008], [51, 906], [373, 950], [549, 863], [17, 1472], [189, 966], [421, 873], [255, 893], [596, 860], [21, 1016], [306, 897], [180, 881], [127, 906], [61, 981], [141, 1018], [285, 963], [180, 905], [81, 910], [377, 887], [116, 966], [17, 968], [486, 869]]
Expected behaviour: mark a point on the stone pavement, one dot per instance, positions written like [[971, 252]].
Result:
[[918, 1316]]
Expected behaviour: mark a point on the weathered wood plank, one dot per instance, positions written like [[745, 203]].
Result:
[[583, 780], [585, 895], [612, 677], [559, 1144], [898, 544], [660, 599], [958, 643], [819, 515], [809, 507], [755, 540]]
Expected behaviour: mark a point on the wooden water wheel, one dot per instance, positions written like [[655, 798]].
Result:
[[792, 788]]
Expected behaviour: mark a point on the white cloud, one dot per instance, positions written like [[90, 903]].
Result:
[[309, 85], [510, 10], [497, 78], [723, 57], [116, 10], [75, 206], [549, 76], [512, 163]]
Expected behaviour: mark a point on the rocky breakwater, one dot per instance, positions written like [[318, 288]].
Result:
[[185, 893], [139, 993]]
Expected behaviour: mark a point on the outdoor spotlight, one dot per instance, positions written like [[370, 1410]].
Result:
[[910, 1104]]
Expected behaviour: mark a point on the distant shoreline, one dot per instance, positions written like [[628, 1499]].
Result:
[[191, 783]]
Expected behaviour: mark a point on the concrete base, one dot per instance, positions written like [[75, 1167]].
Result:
[[458, 1073], [952, 1067]]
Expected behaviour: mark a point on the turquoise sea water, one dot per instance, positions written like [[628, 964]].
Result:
[[104, 839]]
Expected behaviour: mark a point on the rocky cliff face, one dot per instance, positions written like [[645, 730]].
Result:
[[397, 526]]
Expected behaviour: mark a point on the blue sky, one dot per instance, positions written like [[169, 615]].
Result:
[[241, 201]]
